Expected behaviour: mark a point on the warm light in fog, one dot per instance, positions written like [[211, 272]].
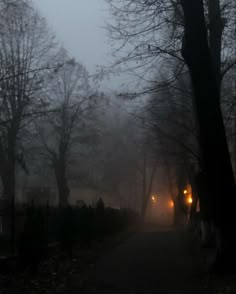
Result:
[[154, 199], [171, 203], [185, 192], [190, 200]]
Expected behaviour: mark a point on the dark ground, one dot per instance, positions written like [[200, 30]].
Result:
[[153, 261], [148, 260]]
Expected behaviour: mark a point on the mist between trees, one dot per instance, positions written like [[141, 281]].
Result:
[[183, 54], [63, 141], [60, 131]]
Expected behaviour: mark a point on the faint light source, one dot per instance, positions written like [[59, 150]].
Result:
[[171, 204], [154, 199], [185, 191]]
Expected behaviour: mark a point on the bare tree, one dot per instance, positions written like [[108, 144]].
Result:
[[25, 50], [213, 140], [69, 92], [147, 33], [140, 26]]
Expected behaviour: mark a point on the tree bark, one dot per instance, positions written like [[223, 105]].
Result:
[[8, 163], [144, 187], [213, 142], [62, 186], [8, 182], [216, 27], [147, 190], [193, 208]]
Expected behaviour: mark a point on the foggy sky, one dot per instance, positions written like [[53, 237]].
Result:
[[78, 27]]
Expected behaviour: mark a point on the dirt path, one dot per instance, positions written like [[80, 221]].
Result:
[[149, 262]]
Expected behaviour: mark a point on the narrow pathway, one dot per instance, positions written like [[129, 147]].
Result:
[[150, 262]]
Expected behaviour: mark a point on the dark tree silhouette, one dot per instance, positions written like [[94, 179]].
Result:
[[213, 140], [70, 93], [25, 53]]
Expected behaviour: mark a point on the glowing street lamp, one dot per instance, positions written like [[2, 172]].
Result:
[[154, 199], [190, 200], [185, 192], [171, 204]]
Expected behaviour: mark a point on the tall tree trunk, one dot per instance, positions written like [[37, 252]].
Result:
[[176, 208], [147, 186], [144, 201], [213, 140], [144, 187], [62, 186], [8, 181], [216, 27], [8, 164], [193, 208]]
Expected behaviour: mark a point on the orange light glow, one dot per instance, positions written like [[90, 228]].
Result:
[[154, 199], [185, 192], [171, 204], [190, 200]]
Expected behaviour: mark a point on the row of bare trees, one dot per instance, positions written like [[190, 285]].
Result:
[[46, 98], [171, 42], [26, 48], [55, 121]]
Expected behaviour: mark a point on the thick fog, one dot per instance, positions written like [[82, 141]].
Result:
[[117, 125]]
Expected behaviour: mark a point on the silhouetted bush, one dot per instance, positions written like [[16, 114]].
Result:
[[68, 226], [100, 206]]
